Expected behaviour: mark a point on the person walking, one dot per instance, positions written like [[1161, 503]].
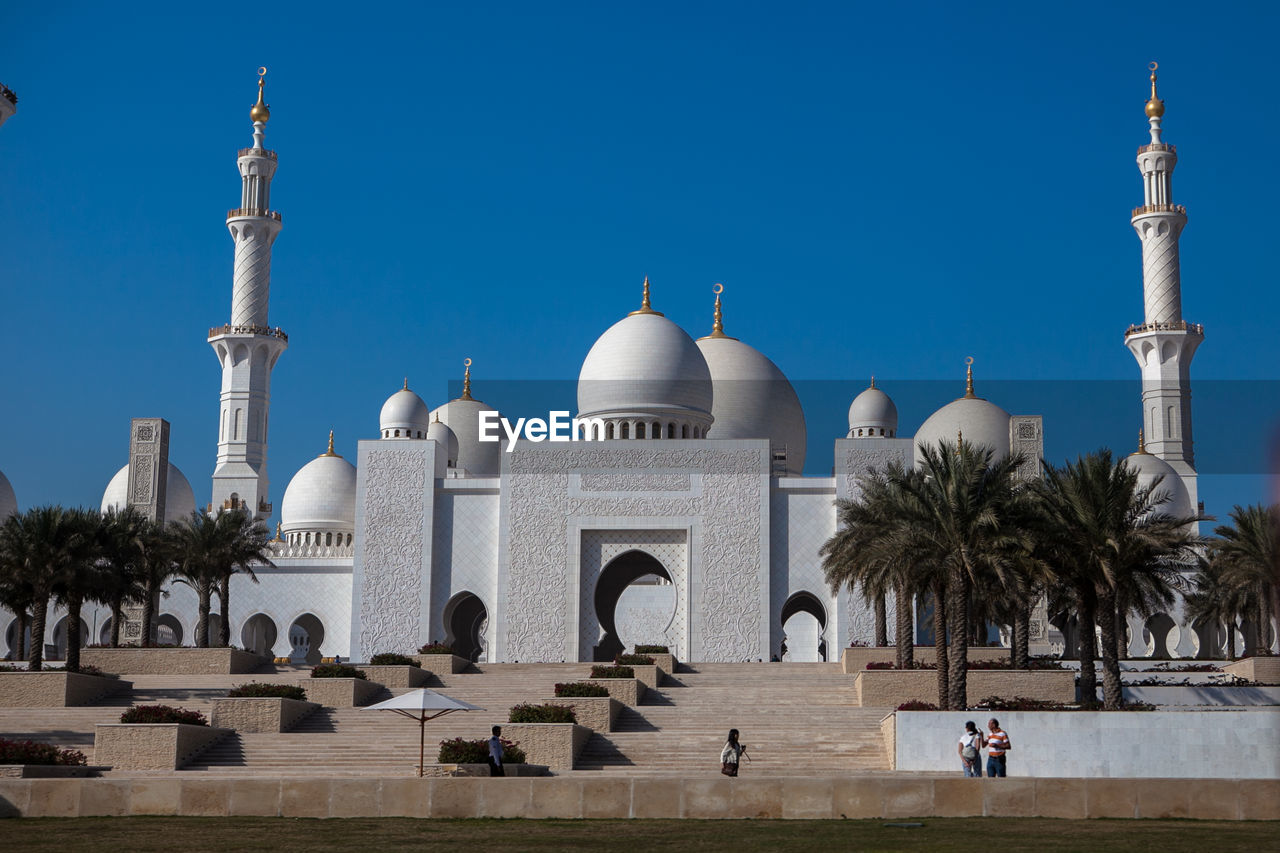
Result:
[[495, 753], [730, 755], [970, 743], [997, 745]]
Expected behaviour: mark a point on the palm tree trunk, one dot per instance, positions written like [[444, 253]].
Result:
[[1230, 625], [117, 614], [882, 622], [1087, 651], [74, 604], [940, 643], [224, 599], [148, 613], [1021, 638], [904, 626], [20, 641], [39, 613], [1122, 626], [202, 620], [1264, 620], [1112, 695]]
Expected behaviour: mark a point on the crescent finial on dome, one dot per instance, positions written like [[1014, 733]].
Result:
[[968, 380], [466, 380], [1155, 106], [717, 321], [330, 451], [645, 307], [260, 111]]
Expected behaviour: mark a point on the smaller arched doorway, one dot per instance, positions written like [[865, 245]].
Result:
[[1161, 635], [465, 621], [60, 637], [635, 602], [168, 630], [804, 621], [305, 636], [11, 640], [258, 634]]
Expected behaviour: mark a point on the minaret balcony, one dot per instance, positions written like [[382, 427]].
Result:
[[277, 332], [8, 94], [259, 152], [1158, 146], [1180, 326], [254, 211], [1159, 208]]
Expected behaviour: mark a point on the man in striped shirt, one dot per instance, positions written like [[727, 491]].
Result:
[[997, 746]]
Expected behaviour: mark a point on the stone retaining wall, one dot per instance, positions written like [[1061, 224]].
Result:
[[889, 688], [151, 746], [1265, 669], [56, 689], [341, 692], [597, 713], [557, 745], [270, 714], [877, 797], [628, 691], [49, 771], [442, 664], [855, 659], [173, 661], [397, 676]]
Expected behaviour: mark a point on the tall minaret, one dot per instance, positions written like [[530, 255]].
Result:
[[8, 103], [1165, 343], [248, 346]]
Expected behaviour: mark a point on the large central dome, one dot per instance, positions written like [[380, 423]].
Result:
[[647, 370]]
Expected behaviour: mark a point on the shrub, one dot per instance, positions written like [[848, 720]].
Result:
[[580, 689], [916, 705], [633, 660], [891, 665], [1021, 703], [90, 669], [337, 670], [392, 659], [163, 714], [547, 713], [437, 649], [653, 650], [259, 690], [459, 751], [1098, 706], [1006, 663], [4, 667], [1186, 667], [31, 752], [600, 671]]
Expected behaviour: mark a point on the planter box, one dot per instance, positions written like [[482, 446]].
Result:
[[855, 660], [628, 691], [597, 713], [48, 771], [1164, 745], [152, 746], [666, 663], [649, 676], [260, 714], [442, 664], [174, 661], [341, 692], [397, 676], [1265, 669], [56, 689], [511, 770], [556, 745], [889, 688]]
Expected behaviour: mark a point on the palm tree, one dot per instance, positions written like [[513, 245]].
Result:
[[79, 578], [1215, 600], [41, 549], [15, 596], [244, 542], [1110, 534], [211, 548], [123, 533], [1249, 553]]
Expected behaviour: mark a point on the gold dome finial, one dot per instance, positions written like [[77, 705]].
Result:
[[278, 531], [873, 381], [959, 438], [717, 322], [260, 111], [1155, 106], [1142, 443], [406, 383], [968, 379], [330, 451], [466, 379], [645, 307]]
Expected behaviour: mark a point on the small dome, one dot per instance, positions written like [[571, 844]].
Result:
[[8, 500], [446, 438], [478, 458], [321, 496], [873, 413], [752, 398], [1148, 467], [404, 415], [179, 501], [982, 424], [645, 364]]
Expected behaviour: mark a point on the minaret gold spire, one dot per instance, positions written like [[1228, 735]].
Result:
[[645, 307], [330, 451], [968, 380], [717, 322], [466, 380], [260, 111], [1155, 106], [1142, 443]]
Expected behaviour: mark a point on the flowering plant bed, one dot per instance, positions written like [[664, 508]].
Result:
[[915, 705], [879, 664], [32, 752], [545, 713], [337, 670], [259, 690], [653, 650], [163, 714], [580, 689], [392, 659], [602, 671], [459, 751], [633, 660], [436, 649], [889, 688]]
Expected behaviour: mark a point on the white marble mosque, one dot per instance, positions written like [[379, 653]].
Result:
[[688, 522]]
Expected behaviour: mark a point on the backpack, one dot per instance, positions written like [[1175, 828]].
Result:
[[969, 752]]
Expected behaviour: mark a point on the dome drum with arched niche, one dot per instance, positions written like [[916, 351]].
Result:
[[980, 422], [404, 415], [873, 414], [179, 500], [319, 505]]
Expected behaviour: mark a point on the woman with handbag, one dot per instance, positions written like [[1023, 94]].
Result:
[[970, 742], [731, 753]]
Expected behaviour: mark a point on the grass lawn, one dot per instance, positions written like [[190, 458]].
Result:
[[286, 835]]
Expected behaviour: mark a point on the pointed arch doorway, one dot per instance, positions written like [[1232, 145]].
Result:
[[634, 596], [465, 622]]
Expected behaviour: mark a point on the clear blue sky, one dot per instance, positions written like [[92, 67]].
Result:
[[883, 188]]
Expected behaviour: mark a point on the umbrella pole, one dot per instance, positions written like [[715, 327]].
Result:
[[422, 740]]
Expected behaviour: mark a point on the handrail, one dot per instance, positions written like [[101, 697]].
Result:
[[254, 211], [1179, 326], [1159, 208], [229, 329], [1158, 146], [256, 152], [8, 94]]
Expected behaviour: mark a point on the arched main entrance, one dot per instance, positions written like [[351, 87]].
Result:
[[465, 620], [804, 621], [634, 596], [258, 634], [305, 636]]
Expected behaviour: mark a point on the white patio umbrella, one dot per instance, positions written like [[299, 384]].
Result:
[[422, 705]]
